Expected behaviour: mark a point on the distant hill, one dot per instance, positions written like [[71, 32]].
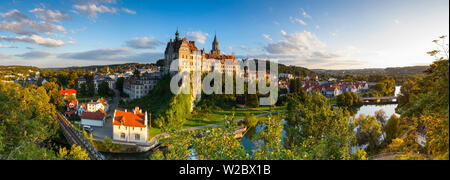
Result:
[[408, 70]]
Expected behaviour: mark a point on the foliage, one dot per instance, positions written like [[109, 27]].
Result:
[[368, 132], [348, 99], [26, 122], [392, 129], [383, 88], [250, 121], [437, 128], [252, 101], [316, 131], [76, 153]]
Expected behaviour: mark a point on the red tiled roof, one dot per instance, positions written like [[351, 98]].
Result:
[[219, 57], [68, 92], [129, 119], [92, 115]]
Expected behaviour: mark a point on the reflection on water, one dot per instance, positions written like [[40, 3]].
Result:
[[251, 143]]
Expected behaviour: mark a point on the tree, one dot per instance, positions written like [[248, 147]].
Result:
[[348, 99], [119, 84], [368, 131], [26, 122], [103, 89], [252, 100], [392, 129], [295, 85]]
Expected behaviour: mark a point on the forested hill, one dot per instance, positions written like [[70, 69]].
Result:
[[408, 70]]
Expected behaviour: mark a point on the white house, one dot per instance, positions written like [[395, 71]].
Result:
[[130, 126]]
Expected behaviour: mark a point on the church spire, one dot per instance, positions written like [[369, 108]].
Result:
[[177, 35], [215, 46]]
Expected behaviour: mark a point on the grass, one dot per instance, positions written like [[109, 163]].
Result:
[[218, 117]]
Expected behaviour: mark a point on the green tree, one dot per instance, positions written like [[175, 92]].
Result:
[[392, 129], [368, 132]]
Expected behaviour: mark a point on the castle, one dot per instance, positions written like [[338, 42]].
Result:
[[192, 59]]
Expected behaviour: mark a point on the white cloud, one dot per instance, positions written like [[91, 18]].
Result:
[[266, 36], [396, 21], [99, 54], [197, 36], [144, 43], [19, 23], [245, 48], [50, 15], [93, 9], [297, 20], [294, 43], [34, 39], [6, 46], [304, 14], [111, 54], [129, 11]]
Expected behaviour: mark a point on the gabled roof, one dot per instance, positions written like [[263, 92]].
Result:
[[129, 119]]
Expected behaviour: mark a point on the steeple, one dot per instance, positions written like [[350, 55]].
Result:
[[215, 46], [177, 35]]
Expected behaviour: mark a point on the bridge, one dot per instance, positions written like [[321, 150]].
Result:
[[74, 136], [380, 98]]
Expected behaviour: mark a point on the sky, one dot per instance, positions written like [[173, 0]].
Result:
[[317, 34]]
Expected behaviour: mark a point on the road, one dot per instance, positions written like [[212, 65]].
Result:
[[107, 129]]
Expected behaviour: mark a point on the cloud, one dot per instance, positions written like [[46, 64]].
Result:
[[396, 21], [144, 43], [245, 48], [93, 9], [112, 54], [99, 54], [7, 46], [266, 36], [317, 27], [19, 23], [34, 55], [129, 11], [34, 39], [297, 20], [294, 43], [50, 15], [197, 36], [304, 14]]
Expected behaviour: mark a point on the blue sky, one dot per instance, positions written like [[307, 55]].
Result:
[[326, 34]]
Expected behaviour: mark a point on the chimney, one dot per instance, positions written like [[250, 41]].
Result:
[[146, 119], [114, 115]]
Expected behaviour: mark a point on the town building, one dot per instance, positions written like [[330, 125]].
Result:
[[68, 92], [139, 86], [130, 126], [96, 119]]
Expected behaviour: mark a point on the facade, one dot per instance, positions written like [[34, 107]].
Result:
[[130, 126], [192, 59], [140, 85]]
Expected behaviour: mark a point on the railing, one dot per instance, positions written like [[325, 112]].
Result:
[[75, 137]]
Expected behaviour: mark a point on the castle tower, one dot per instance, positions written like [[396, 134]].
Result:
[[177, 36], [215, 46]]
